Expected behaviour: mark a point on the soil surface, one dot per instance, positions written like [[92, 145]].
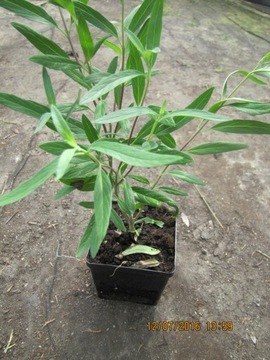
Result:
[[49, 307], [158, 237]]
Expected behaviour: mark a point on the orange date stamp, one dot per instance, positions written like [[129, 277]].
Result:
[[209, 326]]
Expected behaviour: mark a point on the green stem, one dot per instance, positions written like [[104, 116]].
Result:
[[68, 37], [141, 104]]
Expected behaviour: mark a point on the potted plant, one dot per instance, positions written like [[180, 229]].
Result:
[[108, 135]]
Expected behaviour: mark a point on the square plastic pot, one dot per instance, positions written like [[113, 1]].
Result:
[[143, 286]]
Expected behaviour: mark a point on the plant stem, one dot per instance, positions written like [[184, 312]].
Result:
[[68, 37], [141, 104]]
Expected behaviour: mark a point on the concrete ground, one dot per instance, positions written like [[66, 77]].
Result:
[[49, 307]]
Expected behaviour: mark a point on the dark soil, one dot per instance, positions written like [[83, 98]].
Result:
[[152, 235]]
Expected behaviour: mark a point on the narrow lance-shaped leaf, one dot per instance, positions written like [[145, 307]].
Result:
[[89, 129], [42, 121], [124, 114], [186, 177], [138, 84], [200, 114], [215, 148], [251, 107], [28, 186], [65, 190], [172, 190], [129, 198], [63, 162], [140, 178], [109, 83], [85, 38], [141, 15], [118, 222], [102, 203], [55, 147], [66, 4], [41, 42], [248, 75], [48, 86], [149, 193], [136, 42], [89, 239], [243, 127], [62, 126], [95, 18], [27, 107], [29, 11], [154, 30], [55, 62], [135, 156], [139, 249]]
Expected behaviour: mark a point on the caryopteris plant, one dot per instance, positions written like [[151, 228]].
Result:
[[107, 132]]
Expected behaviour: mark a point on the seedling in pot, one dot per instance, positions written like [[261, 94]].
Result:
[[106, 139]]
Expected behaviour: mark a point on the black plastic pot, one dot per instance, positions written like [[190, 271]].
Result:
[[142, 286]]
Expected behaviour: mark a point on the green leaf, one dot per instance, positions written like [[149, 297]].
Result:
[[168, 140], [244, 73], [117, 221], [109, 83], [112, 46], [55, 62], [183, 157], [29, 11], [148, 220], [133, 155], [136, 42], [85, 38], [89, 129], [66, 189], [40, 42], [243, 127], [146, 200], [265, 60], [129, 198], [63, 162], [113, 65], [78, 77], [124, 114], [172, 190], [102, 203], [216, 148], [194, 113], [27, 107], [95, 18], [98, 44], [87, 204], [156, 196], [186, 177], [140, 249], [66, 4], [89, 240], [55, 147], [154, 30], [138, 84], [251, 107], [62, 126], [28, 186], [141, 15], [48, 86], [140, 178], [42, 121], [199, 103]]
